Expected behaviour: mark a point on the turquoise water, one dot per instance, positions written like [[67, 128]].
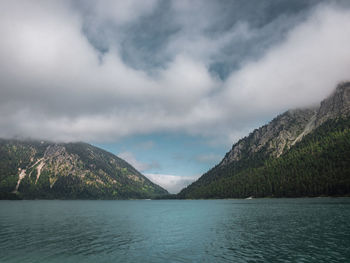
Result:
[[258, 230]]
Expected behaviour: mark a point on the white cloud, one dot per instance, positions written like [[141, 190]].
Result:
[[298, 72], [56, 85], [172, 183]]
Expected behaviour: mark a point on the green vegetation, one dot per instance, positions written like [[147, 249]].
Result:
[[69, 171], [319, 165]]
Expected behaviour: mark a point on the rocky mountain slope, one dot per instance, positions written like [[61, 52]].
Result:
[[262, 153], [290, 127], [39, 169]]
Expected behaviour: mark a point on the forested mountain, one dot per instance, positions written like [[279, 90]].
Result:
[[39, 169], [304, 152]]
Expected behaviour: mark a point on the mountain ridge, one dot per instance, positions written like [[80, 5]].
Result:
[[272, 141], [40, 169], [308, 119]]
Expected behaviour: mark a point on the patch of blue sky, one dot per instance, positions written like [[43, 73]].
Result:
[[170, 153]]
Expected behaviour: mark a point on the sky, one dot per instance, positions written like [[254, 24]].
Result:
[[167, 85]]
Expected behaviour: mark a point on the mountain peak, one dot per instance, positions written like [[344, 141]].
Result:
[[343, 86], [302, 152], [336, 105], [290, 127], [34, 169]]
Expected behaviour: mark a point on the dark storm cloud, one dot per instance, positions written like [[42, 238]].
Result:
[[144, 42], [88, 70]]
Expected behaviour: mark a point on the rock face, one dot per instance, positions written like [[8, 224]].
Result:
[[290, 127], [274, 138], [337, 105], [32, 169]]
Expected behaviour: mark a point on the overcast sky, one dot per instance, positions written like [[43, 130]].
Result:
[[166, 85]]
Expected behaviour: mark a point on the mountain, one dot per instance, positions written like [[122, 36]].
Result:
[[40, 169], [302, 152]]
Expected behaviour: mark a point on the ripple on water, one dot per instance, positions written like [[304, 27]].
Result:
[[266, 230]]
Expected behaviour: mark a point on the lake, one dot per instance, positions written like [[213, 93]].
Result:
[[257, 230]]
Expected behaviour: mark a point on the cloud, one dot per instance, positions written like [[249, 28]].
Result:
[[300, 71], [172, 183], [140, 166], [66, 74], [121, 12]]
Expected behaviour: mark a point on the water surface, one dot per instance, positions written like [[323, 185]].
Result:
[[258, 230]]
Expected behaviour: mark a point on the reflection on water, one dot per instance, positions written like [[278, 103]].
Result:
[[258, 230]]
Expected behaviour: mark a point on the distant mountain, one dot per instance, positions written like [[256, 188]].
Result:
[[303, 152], [40, 169]]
